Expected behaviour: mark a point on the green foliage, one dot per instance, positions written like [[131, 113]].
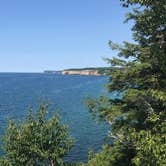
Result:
[[138, 118], [150, 146], [112, 156], [37, 141]]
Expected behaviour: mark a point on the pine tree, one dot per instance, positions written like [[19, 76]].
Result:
[[138, 117]]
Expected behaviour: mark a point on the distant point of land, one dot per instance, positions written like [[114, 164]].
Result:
[[97, 71]]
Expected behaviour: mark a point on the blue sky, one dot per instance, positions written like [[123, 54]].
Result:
[[37, 35]]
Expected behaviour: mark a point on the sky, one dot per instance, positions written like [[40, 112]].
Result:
[[38, 35]]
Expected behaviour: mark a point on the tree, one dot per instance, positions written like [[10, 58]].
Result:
[[138, 117], [37, 141]]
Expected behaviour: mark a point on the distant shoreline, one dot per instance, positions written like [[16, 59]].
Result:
[[96, 71]]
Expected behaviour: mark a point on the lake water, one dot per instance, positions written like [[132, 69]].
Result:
[[67, 94]]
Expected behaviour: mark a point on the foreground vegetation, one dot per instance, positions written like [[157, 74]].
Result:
[[36, 141], [138, 118]]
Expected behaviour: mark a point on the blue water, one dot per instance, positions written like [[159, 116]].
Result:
[[67, 94]]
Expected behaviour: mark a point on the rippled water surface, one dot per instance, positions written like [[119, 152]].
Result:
[[67, 94]]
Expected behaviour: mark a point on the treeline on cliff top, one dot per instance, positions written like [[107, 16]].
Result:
[[137, 119]]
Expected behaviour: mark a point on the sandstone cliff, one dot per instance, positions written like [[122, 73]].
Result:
[[81, 72]]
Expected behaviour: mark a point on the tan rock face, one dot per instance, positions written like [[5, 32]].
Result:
[[81, 72]]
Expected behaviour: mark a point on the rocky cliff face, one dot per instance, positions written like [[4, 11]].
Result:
[[81, 72]]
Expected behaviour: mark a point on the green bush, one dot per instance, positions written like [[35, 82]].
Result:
[[37, 141]]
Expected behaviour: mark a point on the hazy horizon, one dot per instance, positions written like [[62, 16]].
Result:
[[50, 70]]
